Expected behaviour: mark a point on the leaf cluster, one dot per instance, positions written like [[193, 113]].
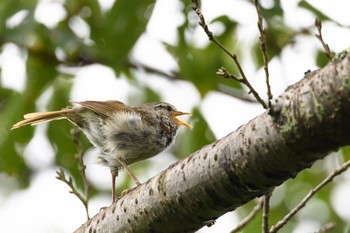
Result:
[[113, 33]]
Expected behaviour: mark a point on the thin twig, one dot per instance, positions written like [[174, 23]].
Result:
[[62, 177], [244, 80], [80, 153], [265, 215], [236, 93], [263, 48], [328, 52], [328, 227], [171, 75], [249, 217], [312, 192]]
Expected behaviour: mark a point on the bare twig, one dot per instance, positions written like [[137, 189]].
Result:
[[225, 74], [249, 217], [328, 227], [80, 153], [266, 210], [262, 41], [62, 177], [236, 93], [171, 75], [328, 52], [312, 192]]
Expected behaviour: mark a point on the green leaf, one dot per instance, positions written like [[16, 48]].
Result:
[[195, 138], [199, 65], [116, 32], [59, 132], [275, 10], [321, 58], [278, 36], [14, 107], [7, 9], [321, 16], [346, 152], [11, 161]]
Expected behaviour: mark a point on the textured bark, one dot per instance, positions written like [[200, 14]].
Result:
[[305, 123]]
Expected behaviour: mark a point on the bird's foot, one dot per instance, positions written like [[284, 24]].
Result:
[[103, 208], [126, 191]]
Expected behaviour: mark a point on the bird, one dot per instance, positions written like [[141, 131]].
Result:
[[121, 134]]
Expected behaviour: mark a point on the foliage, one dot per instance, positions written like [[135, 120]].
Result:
[[113, 34]]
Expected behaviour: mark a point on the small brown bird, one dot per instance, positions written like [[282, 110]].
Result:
[[121, 134]]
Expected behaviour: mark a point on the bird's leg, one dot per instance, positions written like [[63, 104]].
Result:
[[127, 169], [114, 173]]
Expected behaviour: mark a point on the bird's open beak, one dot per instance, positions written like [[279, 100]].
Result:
[[180, 122]]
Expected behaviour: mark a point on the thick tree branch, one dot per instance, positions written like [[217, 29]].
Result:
[[310, 119]]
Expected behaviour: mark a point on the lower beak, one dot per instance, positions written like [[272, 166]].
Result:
[[180, 122]]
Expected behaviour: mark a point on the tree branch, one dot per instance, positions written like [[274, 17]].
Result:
[[262, 42], [249, 217], [62, 177], [312, 192], [80, 157], [328, 227], [305, 123], [319, 36], [222, 71], [266, 211]]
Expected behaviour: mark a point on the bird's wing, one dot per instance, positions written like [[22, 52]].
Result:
[[104, 107]]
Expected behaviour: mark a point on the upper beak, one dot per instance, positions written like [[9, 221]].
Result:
[[180, 122]]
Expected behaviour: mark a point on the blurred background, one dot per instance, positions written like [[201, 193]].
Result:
[[53, 51]]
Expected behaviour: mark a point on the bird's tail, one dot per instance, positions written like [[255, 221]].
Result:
[[40, 117]]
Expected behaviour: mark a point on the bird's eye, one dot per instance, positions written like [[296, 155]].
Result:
[[164, 106], [169, 108]]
